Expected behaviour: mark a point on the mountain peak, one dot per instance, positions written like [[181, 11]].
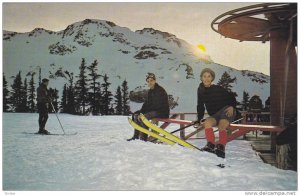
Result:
[[165, 35], [95, 21], [155, 32], [85, 24], [38, 31]]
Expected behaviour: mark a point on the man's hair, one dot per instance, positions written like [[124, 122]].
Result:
[[212, 73], [150, 75], [45, 80]]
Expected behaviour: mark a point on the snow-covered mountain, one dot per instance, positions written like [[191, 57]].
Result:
[[122, 54]]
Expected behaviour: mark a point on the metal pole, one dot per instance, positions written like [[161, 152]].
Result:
[[57, 118], [181, 128]]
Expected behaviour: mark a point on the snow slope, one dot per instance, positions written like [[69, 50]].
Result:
[[122, 54], [99, 158]]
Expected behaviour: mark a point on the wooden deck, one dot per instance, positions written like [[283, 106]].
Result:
[[262, 145]]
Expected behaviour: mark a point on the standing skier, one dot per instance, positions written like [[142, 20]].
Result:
[[155, 106], [43, 101], [220, 105]]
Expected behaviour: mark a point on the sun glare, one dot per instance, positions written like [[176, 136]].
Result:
[[201, 47]]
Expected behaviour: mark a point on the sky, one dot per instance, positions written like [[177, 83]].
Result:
[[188, 21]]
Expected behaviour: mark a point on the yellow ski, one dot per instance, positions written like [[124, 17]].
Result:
[[167, 134], [142, 129]]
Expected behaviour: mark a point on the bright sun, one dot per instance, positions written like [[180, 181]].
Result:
[[201, 47]]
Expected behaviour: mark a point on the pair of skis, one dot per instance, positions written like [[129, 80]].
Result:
[[166, 136], [63, 134]]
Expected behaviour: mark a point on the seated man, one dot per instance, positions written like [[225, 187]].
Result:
[[155, 106], [221, 107]]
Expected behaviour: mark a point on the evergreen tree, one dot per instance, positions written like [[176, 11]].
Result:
[[5, 95], [255, 103], [63, 104], [16, 93], [53, 93], [107, 97], [268, 104], [125, 99], [172, 102], [245, 101], [226, 82], [111, 109], [98, 100], [40, 75], [94, 89], [71, 100], [81, 89], [31, 96], [118, 102], [24, 98], [70, 107]]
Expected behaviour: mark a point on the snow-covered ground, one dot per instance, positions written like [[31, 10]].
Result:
[[99, 158]]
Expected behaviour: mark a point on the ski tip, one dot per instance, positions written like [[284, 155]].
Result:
[[130, 121]]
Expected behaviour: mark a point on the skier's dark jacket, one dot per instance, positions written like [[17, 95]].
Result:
[[42, 94], [214, 98], [157, 100]]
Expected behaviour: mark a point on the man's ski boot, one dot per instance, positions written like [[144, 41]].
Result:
[[43, 132], [220, 150], [46, 132], [40, 131], [130, 139], [209, 147], [135, 136]]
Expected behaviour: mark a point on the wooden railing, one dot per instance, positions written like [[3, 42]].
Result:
[[256, 118], [249, 118]]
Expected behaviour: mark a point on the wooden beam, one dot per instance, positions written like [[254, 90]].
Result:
[[176, 121], [256, 127], [231, 126], [194, 132], [166, 124]]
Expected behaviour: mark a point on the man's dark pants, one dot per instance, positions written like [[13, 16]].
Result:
[[149, 116], [43, 115]]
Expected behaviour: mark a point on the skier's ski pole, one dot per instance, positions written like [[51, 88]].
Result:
[[201, 121], [231, 123], [237, 120], [183, 128], [153, 140], [57, 118]]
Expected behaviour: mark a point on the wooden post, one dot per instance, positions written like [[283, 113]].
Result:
[[182, 132], [244, 121], [283, 74]]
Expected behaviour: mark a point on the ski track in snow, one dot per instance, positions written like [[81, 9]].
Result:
[[99, 158]]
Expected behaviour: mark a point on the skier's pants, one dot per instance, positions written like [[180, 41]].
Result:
[[43, 115], [149, 116]]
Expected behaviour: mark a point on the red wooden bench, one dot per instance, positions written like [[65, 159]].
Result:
[[238, 129]]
